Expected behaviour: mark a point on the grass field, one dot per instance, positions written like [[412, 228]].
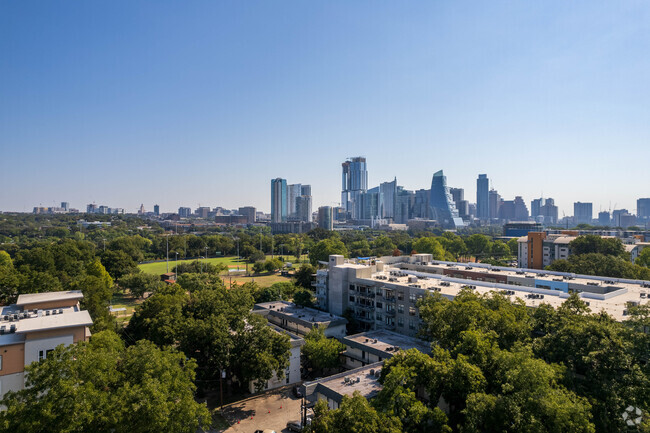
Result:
[[158, 268], [124, 301]]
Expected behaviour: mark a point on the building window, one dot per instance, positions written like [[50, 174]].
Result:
[[412, 297], [400, 309], [41, 355], [411, 324], [400, 296], [411, 311], [351, 298], [379, 305], [400, 322]]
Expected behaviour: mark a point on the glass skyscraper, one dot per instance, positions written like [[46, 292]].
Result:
[[278, 200], [441, 203], [482, 197], [354, 182]]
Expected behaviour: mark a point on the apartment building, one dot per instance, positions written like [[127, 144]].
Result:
[[34, 326], [378, 345], [383, 293], [292, 374]]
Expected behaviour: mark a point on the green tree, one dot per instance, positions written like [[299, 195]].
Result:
[[323, 249], [597, 244], [383, 246], [429, 245], [644, 258], [139, 283], [102, 386], [304, 298], [322, 352], [478, 245], [118, 263], [304, 275], [355, 415]]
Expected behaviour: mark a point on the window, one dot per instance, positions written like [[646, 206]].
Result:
[[411, 324], [41, 355], [380, 305], [411, 311], [412, 298], [400, 296], [379, 317], [400, 309], [351, 298], [400, 322]]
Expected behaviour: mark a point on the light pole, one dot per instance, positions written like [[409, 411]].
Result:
[[176, 263], [206, 257], [167, 237]]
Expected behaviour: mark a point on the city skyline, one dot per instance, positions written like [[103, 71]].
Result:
[[107, 105]]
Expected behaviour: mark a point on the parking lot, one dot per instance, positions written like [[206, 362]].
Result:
[[267, 411]]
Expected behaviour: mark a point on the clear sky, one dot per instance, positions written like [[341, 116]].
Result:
[[203, 102]]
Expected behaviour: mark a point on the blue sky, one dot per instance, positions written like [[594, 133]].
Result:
[[188, 103]]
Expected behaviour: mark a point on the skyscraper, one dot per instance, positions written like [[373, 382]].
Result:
[[643, 208], [387, 199], [293, 192], [278, 200], [494, 203], [326, 217], [156, 210], [582, 213], [354, 182], [604, 218], [442, 206], [483, 197], [303, 208]]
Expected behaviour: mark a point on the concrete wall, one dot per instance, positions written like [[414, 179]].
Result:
[[33, 347], [11, 382]]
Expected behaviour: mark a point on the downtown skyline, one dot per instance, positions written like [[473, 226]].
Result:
[[105, 105]]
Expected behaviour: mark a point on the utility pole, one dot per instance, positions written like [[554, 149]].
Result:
[[167, 237]]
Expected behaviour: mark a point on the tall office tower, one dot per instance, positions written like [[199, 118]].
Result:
[[582, 213], [642, 209], [513, 210], [457, 194], [65, 206], [616, 216], [483, 197], [494, 202], [535, 207], [156, 210], [404, 205], [421, 208], [293, 192], [303, 208], [462, 205], [354, 183], [442, 206], [544, 211], [305, 190], [278, 200], [91, 208], [326, 217], [604, 218], [249, 212], [387, 199]]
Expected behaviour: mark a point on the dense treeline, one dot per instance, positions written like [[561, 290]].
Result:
[[497, 366]]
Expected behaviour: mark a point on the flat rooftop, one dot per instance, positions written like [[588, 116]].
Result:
[[450, 287], [359, 379], [386, 341], [36, 298], [293, 312]]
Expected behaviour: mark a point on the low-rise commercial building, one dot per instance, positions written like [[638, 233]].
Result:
[[365, 380], [33, 327], [378, 345], [300, 320]]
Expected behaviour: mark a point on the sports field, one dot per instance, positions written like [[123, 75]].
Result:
[[158, 268]]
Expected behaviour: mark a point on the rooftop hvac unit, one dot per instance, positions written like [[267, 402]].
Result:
[[60, 310], [12, 329], [47, 312], [346, 379]]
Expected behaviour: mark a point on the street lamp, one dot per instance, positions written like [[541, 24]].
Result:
[[176, 263]]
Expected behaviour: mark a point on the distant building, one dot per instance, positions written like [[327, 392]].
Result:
[[303, 208], [604, 218], [326, 217], [643, 209], [442, 206], [293, 192], [483, 197], [522, 228], [279, 203], [156, 210], [494, 200], [33, 327], [202, 211], [354, 183], [513, 210], [65, 206], [583, 213], [91, 208], [231, 219], [141, 211], [184, 212], [291, 227], [249, 212]]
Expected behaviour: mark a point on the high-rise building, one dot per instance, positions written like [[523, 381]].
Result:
[[184, 212], [604, 218], [616, 216], [642, 209], [462, 205], [494, 202], [387, 199], [293, 192], [303, 208], [442, 206], [278, 200], [544, 211], [583, 213], [513, 210], [305, 190], [354, 183], [202, 211], [65, 206], [249, 212], [483, 197], [326, 217], [91, 208], [156, 210]]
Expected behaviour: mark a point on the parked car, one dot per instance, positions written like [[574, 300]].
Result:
[[294, 426]]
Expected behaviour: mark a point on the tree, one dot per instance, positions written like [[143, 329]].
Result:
[[355, 415], [97, 288], [200, 266], [102, 386], [513, 244], [596, 244], [383, 246], [304, 298], [478, 245], [429, 245], [500, 249], [159, 318], [140, 283], [360, 248], [322, 352], [304, 275], [9, 278], [644, 258], [323, 249], [118, 263]]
